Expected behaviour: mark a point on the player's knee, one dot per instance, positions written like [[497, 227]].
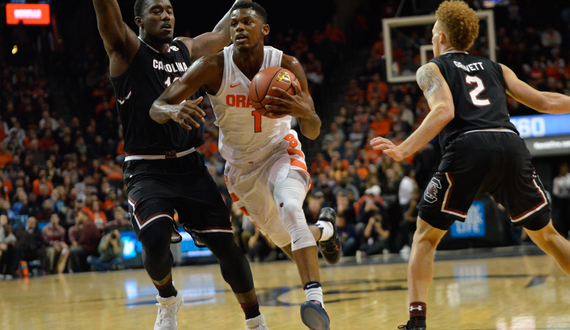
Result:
[[221, 244], [156, 241], [291, 212], [294, 220], [155, 249]]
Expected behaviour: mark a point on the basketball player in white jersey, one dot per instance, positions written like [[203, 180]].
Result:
[[265, 170]]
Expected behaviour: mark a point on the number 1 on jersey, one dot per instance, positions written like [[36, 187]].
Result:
[[470, 80], [256, 121]]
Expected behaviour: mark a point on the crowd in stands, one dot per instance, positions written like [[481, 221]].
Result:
[[61, 191], [62, 198]]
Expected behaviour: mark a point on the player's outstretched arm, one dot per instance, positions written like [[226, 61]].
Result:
[[301, 104], [210, 42], [172, 103], [440, 101], [121, 43], [546, 102]]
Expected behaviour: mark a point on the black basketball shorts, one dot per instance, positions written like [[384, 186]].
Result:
[[156, 188], [481, 161]]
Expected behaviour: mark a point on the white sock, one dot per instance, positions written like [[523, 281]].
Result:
[[166, 301], [314, 291], [256, 321], [327, 230]]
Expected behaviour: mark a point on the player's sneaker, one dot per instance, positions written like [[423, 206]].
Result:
[[175, 236], [420, 325], [167, 311], [331, 248], [256, 323], [314, 315]]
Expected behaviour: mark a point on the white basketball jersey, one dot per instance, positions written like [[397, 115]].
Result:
[[246, 137]]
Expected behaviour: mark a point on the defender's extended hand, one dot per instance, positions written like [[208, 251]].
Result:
[[292, 105], [387, 147], [187, 111]]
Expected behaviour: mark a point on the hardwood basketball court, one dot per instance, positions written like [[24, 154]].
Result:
[[506, 288]]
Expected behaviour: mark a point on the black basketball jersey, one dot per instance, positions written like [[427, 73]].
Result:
[[150, 73], [479, 96]]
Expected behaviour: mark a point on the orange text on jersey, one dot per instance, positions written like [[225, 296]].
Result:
[[238, 101]]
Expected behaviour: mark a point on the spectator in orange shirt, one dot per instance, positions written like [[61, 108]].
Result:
[[394, 108], [368, 152], [377, 89], [354, 94], [103, 106], [4, 193], [42, 180], [29, 137], [362, 117], [113, 171], [47, 140], [334, 34], [554, 70], [374, 95], [382, 123], [110, 199], [362, 171], [87, 201], [537, 73], [377, 50], [319, 165], [5, 156]]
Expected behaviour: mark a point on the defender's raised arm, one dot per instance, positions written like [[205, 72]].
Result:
[[121, 43]]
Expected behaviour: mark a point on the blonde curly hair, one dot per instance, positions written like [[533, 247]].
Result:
[[459, 22]]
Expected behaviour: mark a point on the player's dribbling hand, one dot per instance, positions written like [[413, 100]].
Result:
[[292, 105], [187, 113], [387, 147]]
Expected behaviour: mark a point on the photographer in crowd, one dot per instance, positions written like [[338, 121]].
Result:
[[110, 253]]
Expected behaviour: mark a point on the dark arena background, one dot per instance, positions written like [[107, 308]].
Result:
[[61, 157]]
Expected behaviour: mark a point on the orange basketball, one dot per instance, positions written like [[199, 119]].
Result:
[[263, 83]]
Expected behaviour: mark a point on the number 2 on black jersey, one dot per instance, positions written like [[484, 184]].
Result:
[[474, 93]]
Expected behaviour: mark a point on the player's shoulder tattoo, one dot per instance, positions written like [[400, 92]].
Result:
[[428, 80]]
